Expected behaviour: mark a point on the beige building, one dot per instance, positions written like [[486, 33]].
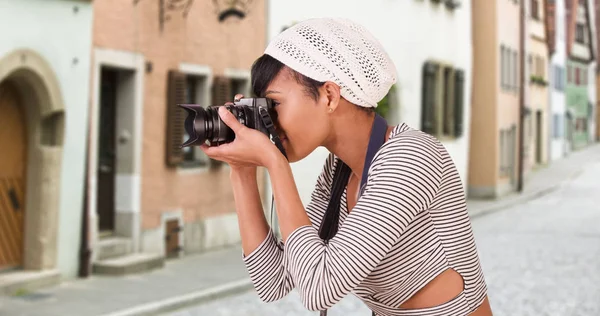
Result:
[[495, 99], [44, 73], [538, 106], [148, 198]]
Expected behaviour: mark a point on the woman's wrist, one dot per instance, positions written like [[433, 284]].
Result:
[[275, 159], [243, 173]]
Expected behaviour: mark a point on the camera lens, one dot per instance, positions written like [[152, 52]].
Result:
[[206, 125]]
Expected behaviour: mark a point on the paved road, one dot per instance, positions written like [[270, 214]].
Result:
[[539, 258]]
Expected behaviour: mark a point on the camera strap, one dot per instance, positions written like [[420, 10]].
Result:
[[330, 223], [268, 122]]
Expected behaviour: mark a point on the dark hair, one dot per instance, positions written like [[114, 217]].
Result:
[[266, 68]]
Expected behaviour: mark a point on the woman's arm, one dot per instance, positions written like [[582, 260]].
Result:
[[261, 253], [251, 219], [266, 263]]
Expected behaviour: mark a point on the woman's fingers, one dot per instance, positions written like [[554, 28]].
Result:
[[214, 152], [230, 120]]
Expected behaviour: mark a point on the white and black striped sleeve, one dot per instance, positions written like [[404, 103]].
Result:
[[272, 280], [267, 271], [403, 180]]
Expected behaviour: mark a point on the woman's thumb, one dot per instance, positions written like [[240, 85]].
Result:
[[229, 119]]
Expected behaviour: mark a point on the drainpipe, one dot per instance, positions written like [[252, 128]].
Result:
[[85, 253], [521, 94]]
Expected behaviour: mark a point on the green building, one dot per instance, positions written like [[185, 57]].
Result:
[[580, 54]]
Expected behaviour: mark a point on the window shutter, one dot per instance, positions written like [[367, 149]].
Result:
[[221, 90], [448, 102], [175, 117], [220, 94], [428, 121], [459, 100]]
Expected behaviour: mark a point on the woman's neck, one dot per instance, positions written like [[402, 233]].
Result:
[[350, 136]]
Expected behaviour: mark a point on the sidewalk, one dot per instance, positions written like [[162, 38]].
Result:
[[199, 278], [540, 182]]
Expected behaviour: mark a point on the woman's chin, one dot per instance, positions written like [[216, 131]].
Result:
[[291, 157]]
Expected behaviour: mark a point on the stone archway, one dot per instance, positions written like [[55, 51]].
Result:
[[40, 95]]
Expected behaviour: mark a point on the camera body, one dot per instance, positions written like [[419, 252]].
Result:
[[205, 124]]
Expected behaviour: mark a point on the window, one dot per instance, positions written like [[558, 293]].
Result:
[[442, 100], [569, 74], [240, 86], [559, 78], [527, 134], [506, 150], [541, 67], [196, 91], [448, 101], [503, 67], [537, 66], [515, 70], [535, 9], [581, 124], [388, 107], [580, 33], [557, 126], [577, 76], [190, 87], [508, 68], [190, 98], [510, 71]]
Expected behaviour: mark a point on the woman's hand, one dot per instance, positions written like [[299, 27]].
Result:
[[250, 148]]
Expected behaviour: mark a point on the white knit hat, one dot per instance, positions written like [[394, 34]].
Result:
[[337, 50]]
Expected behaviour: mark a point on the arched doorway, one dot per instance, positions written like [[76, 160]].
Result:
[[30, 102], [13, 142]]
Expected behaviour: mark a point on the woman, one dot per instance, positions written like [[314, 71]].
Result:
[[404, 243]]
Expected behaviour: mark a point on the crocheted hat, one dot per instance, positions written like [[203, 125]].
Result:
[[337, 50]]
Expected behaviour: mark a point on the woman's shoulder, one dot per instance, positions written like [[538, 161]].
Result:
[[411, 145], [409, 139]]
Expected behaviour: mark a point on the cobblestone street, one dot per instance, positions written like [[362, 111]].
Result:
[[539, 258]]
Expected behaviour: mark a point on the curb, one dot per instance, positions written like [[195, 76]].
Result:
[[193, 298], [521, 199]]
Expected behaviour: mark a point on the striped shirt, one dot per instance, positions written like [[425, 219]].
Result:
[[409, 225]]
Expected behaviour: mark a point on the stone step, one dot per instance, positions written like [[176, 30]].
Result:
[[129, 264], [113, 247], [22, 282]]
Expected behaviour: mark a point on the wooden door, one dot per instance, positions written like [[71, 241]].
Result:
[[105, 205], [172, 230], [13, 157], [512, 139]]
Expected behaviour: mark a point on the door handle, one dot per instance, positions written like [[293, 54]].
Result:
[[105, 168], [14, 200]]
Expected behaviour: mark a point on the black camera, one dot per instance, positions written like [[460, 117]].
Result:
[[205, 124]]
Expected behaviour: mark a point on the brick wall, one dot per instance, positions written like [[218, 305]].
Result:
[[198, 39]]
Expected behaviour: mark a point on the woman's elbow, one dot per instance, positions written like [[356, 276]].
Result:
[[270, 295], [315, 303]]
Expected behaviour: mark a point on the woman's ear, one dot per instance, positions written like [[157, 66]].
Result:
[[332, 92]]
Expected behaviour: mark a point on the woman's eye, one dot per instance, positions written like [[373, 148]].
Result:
[[275, 104]]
